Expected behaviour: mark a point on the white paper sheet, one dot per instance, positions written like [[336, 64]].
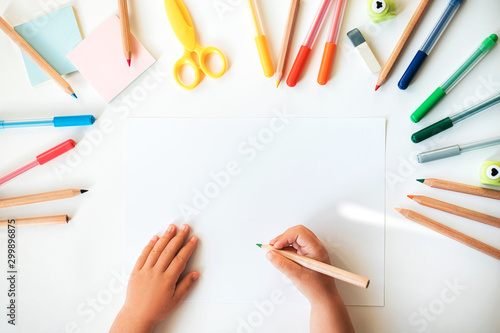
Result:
[[242, 181]]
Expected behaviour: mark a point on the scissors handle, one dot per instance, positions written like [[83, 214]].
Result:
[[187, 60], [203, 53]]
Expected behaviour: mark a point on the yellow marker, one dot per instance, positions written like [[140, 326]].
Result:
[[182, 25], [260, 40]]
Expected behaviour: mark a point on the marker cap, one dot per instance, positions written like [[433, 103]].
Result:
[[432, 130], [488, 43], [55, 152], [74, 121], [438, 154], [265, 56], [298, 66], [427, 105], [326, 63]]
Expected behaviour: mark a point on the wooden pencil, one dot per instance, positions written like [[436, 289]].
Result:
[[321, 267], [287, 38], [125, 30], [461, 188], [456, 210], [37, 59], [42, 197], [35, 221], [401, 43], [451, 233]]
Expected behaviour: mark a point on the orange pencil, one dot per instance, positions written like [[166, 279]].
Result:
[[456, 210], [37, 59], [125, 30], [451, 233]]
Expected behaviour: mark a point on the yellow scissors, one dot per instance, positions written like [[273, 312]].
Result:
[[181, 23]]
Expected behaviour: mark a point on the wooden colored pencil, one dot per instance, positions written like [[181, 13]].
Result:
[[401, 43], [321, 267], [451, 233], [456, 210], [287, 38], [37, 59], [35, 221], [461, 188], [42, 197], [125, 30]]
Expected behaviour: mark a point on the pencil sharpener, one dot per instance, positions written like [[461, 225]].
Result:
[[381, 10], [490, 173]]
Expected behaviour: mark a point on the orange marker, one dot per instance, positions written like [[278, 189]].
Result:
[[305, 49], [331, 43]]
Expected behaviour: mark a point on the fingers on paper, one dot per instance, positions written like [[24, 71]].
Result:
[[160, 246], [145, 253], [284, 265], [179, 262], [185, 285], [172, 248]]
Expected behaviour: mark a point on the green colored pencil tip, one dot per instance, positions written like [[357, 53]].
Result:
[[259, 245], [421, 180]]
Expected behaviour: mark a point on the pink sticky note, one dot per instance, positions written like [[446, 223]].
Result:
[[100, 59]]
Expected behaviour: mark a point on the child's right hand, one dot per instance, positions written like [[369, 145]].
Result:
[[316, 287]]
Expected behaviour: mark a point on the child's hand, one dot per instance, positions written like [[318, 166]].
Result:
[[316, 287], [154, 289]]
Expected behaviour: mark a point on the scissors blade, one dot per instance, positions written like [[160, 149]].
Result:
[[181, 23]]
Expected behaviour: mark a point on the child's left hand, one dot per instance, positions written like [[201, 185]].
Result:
[[154, 289]]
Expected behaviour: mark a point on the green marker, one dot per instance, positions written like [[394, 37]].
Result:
[[448, 122], [442, 91]]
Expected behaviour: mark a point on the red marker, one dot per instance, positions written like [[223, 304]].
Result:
[[41, 160], [305, 49]]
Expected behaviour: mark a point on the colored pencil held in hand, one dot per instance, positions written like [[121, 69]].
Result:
[[321, 267], [37, 59]]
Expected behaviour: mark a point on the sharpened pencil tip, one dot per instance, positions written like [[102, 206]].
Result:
[[259, 245], [128, 62], [277, 84], [410, 196], [74, 95], [376, 87], [421, 180], [83, 191]]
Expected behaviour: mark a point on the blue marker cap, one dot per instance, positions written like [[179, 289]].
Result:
[[74, 121]]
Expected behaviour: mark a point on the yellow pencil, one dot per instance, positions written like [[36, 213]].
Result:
[[37, 59], [321, 267], [125, 30]]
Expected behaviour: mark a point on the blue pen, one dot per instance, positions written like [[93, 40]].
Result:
[[426, 49], [56, 122]]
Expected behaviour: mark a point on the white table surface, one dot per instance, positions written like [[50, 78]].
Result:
[[69, 276]]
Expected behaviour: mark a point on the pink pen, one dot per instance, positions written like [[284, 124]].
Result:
[[305, 49], [41, 160], [331, 43]]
